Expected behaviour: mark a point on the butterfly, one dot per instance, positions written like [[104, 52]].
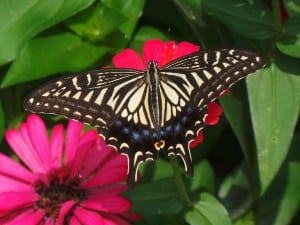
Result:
[[144, 113]]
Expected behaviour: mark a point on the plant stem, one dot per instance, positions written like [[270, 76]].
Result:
[[276, 17], [179, 182], [277, 24]]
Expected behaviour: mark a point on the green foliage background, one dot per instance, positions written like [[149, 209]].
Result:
[[246, 169]]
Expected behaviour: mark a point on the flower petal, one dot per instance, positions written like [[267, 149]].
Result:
[[37, 132], [56, 145], [11, 201], [152, 51], [113, 204], [86, 145], [197, 141], [214, 113], [128, 58], [97, 156], [11, 168], [107, 176], [23, 148], [27, 216], [110, 219], [185, 48], [88, 217], [64, 210], [72, 140]]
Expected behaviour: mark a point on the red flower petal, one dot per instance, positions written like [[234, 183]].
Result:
[[152, 51], [185, 48], [128, 58], [197, 141], [214, 113]]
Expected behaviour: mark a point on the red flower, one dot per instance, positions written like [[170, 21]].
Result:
[[76, 181], [163, 53]]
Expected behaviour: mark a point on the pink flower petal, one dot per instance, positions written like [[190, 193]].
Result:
[[64, 210], [39, 138], [128, 58], [110, 219], [88, 217], [16, 140], [113, 204], [152, 51], [74, 221], [10, 201], [27, 216], [214, 113], [108, 190], [56, 145], [14, 170], [96, 157], [85, 146], [72, 140], [109, 176], [50, 221]]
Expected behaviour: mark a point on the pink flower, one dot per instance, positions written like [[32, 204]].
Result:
[[163, 53], [76, 181]]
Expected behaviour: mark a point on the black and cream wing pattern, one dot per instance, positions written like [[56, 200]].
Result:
[[142, 113]]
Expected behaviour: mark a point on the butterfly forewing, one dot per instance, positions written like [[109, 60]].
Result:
[[142, 113]]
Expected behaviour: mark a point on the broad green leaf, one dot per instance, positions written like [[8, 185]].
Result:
[[2, 123], [282, 200], [293, 7], [236, 193], [289, 44], [246, 219], [203, 178], [156, 170], [131, 9], [45, 56], [274, 104], [243, 17], [96, 22], [22, 20], [207, 211], [191, 9], [236, 110], [158, 197]]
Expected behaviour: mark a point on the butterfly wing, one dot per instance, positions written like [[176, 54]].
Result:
[[94, 97], [196, 80], [116, 101]]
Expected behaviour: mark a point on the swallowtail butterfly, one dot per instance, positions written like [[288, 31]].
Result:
[[142, 113]]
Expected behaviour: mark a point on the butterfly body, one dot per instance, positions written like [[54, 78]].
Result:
[[144, 113]]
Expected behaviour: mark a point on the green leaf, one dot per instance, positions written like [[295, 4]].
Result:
[[96, 22], [207, 211], [24, 19], [236, 193], [282, 200], [191, 10], [156, 170], [2, 123], [274, 103], [244, 17], [131, 9], [293, 7], [48, 55], [203, 178], [159, 197], [289, 44], [236, 110]]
